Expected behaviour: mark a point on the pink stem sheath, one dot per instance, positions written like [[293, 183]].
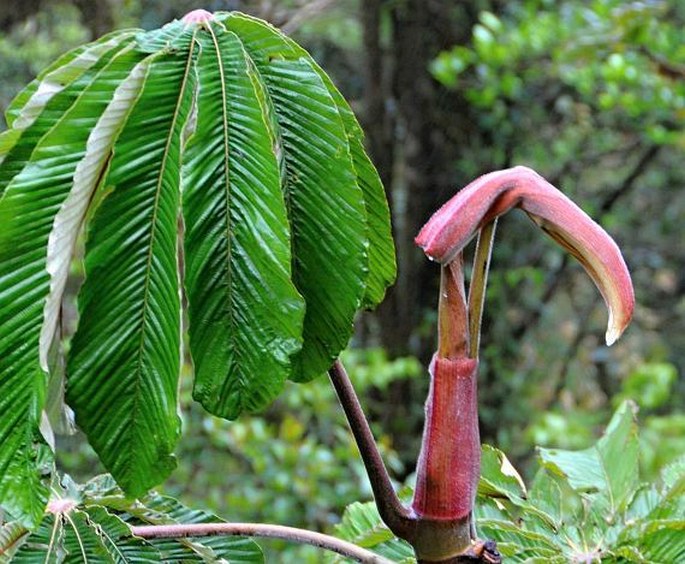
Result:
[[449, 464]]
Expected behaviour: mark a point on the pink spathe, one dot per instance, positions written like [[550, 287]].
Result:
[[451, 228]]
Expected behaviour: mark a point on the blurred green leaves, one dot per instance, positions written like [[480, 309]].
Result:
[[650, 385], [622, 57]]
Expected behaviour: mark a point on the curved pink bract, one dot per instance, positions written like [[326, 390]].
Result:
[[451, 228], [197, 16]]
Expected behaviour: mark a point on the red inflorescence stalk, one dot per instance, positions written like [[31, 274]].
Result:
[[449, 464]]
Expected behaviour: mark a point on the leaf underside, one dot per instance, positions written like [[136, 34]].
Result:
[[214, 159]]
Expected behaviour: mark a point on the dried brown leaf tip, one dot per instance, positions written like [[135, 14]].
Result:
[[455, 224]]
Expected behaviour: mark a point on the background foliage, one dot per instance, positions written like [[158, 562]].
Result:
[[592, 95]]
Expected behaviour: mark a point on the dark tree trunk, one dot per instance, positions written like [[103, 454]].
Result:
[[16, 11], [96, 15], [414, 128]]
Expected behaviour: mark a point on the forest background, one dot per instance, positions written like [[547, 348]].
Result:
[[590, 94]]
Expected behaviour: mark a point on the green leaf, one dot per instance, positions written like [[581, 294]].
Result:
[[32, 198], [87, 175], [268, 44], [382, 265], [657, 541], [11, 536], [111, 537], [361, 524], [325, 203], [26, 105], [156, 509], [670, 504], [47, 107], [546, 496], [90, 535], [287, 236], [160, 509], [43, 544], [125, 356], [245, 313], [381, 251], [500, 480], [498, 477], [514, 541], [606, 472], [674, 473]]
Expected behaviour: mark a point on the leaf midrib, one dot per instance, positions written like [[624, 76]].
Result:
[[227, 190]]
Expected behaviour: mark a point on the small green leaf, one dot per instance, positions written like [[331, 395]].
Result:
[[362, 525], [498, 477], [514, 541], [658, 540], [606, 472], [500, 481]]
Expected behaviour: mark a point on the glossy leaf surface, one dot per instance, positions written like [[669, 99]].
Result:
[[212, 156], [125, 356], [238, 274]]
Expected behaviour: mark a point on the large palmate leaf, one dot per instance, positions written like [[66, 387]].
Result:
[[211, 155]]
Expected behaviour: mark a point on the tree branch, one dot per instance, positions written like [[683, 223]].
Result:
[[292, 534], [395, 515]]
